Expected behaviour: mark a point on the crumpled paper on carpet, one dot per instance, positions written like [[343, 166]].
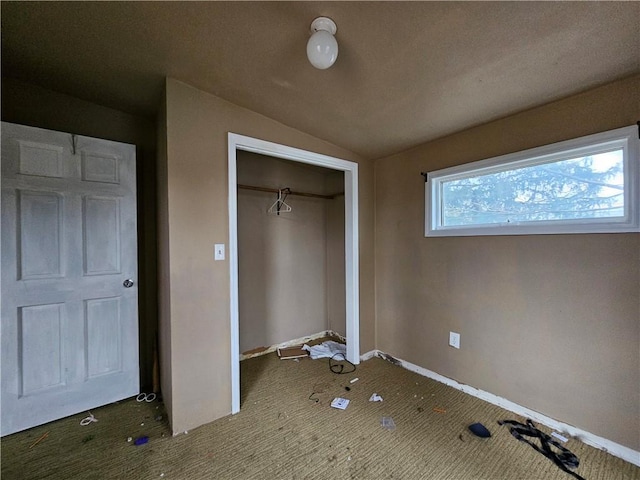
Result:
[[326, 349]]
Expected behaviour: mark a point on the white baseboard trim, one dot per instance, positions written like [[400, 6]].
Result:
[[291, 343], [334, 334], [369, 355], [591, 439]]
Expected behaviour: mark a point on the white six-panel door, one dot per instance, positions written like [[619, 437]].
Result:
[[69, 275]]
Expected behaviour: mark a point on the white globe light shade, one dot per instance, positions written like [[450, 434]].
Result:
[[322, 49]]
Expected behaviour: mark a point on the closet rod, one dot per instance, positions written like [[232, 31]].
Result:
[[301, 194]]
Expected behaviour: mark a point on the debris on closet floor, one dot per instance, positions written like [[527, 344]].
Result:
[[291, 353], [327, 349]]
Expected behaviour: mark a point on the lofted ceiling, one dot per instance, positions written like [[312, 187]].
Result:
[[407, 72]]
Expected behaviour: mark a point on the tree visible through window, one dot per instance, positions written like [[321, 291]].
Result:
[[585, 185]]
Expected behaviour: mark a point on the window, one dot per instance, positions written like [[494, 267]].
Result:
[[585, 185]]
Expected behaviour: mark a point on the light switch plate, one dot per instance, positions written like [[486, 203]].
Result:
[[454, 339], [219, 252]]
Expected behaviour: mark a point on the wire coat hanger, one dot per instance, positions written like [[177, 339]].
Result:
[[280, 206]]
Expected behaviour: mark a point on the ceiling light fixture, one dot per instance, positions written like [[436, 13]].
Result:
[[322, 48]]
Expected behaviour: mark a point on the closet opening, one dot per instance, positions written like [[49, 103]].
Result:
[[293, 248]]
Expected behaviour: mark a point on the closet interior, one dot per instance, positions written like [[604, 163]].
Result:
[[291, 255]]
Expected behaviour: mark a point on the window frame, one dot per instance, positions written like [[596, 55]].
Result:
[[625, 138]]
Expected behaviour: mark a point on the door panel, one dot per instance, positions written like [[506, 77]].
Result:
[[40, 349], [69, 325], [101, 230], [39, 233], [103, 316]]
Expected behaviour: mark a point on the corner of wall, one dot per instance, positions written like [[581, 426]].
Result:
[[164, 284]]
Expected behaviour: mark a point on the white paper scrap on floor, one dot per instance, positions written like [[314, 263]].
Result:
[[326, 349]]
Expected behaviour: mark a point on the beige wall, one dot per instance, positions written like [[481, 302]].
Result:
[[283, 259], [551, 322], [196, 191], [35, 106]]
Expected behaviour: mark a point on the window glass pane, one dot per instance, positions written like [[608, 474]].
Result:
[[578, 188]]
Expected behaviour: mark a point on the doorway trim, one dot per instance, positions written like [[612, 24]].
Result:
[[249, 144]]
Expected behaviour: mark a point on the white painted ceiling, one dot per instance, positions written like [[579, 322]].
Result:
[[407, 72]]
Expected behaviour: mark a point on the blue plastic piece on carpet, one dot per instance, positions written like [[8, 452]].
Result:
[[141, 440], [480, 430]]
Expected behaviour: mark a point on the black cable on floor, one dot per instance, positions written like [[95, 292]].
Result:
[[338, 368], [561, 456]]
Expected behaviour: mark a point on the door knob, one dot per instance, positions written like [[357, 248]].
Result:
[[128, 283]]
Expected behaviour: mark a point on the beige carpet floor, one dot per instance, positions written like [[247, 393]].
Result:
[[281, 433]]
